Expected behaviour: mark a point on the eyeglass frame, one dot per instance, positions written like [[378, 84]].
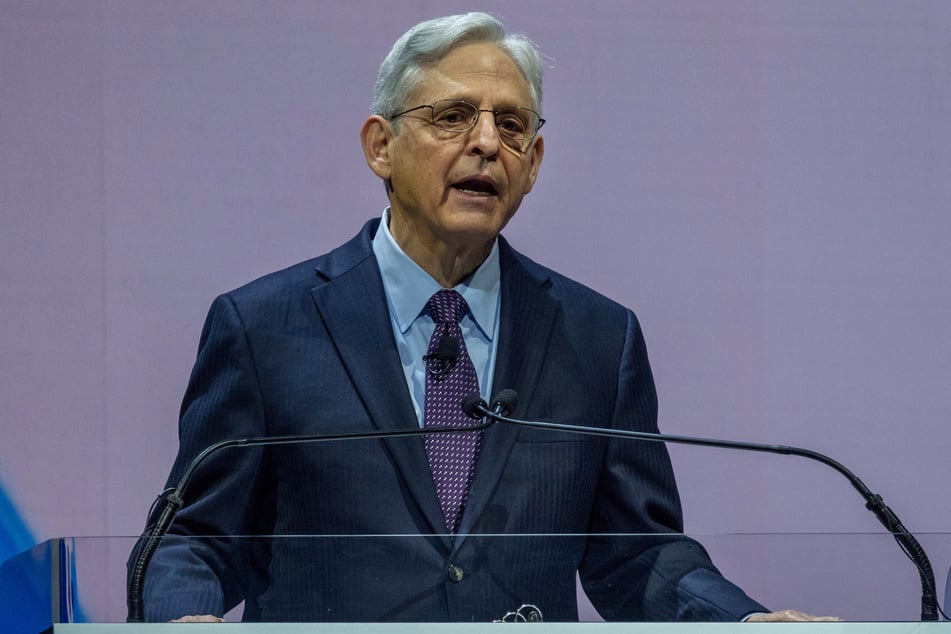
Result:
[[479, 111]]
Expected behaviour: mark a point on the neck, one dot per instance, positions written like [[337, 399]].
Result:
[[446, 262], [446, 265]]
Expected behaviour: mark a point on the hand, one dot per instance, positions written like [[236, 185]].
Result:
[[198, 618], [788, 616]]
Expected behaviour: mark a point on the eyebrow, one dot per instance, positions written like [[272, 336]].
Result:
[[474, 102]]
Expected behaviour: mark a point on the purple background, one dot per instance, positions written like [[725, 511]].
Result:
[[765, 183]]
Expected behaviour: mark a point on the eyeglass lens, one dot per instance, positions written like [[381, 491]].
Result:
[[460, 116]]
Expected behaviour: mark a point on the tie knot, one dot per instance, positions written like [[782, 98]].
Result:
[[447, 306]]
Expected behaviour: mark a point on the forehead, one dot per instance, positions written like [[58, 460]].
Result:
[[480, 73]]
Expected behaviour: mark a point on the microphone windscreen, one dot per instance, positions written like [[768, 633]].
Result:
[[448, 348], [504, 402], [472, 405]]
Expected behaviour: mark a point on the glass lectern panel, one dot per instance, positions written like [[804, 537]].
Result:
[[407, 578]]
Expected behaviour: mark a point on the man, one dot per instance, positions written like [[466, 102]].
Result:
[[385, 333]]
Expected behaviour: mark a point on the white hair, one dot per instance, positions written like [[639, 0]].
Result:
[[428, 42]]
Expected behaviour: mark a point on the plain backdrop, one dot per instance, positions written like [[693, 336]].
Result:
[[766, 183]]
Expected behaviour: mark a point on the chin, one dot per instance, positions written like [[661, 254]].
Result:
[[478, 229]]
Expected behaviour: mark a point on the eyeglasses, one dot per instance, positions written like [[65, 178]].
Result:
[[451, 115]]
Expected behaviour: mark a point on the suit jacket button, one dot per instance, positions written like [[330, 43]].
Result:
[[455, 573]]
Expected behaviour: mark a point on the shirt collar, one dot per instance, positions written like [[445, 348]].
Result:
[[408, 287]]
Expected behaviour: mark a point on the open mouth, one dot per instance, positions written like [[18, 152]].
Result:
[[483, 188]]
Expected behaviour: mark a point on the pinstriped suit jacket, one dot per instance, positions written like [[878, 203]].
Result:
[[310, 350]]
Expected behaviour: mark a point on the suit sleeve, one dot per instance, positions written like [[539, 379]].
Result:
[[642, 567], [192, 573]]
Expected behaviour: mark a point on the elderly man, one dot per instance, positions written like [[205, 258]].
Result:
[[388, 332]]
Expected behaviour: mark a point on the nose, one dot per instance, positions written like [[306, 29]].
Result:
[[484, 136]]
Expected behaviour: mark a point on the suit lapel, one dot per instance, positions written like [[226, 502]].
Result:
[[353, 307], [528, 314], [352, 304]]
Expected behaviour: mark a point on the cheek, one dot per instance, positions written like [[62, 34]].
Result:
[[416, 181], [427, 174], [521, 179]]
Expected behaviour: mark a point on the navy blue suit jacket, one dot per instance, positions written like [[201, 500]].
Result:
[[310, 350]]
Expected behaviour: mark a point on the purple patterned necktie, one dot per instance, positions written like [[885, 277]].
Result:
[[452, 456]]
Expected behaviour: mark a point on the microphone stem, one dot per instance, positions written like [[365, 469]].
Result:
[[873, 501], [176, 499]]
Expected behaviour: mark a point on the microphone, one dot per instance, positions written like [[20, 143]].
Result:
[[174, 498], [440, 362], [502, 405], [504, 402]]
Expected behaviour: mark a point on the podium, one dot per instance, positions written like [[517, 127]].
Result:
[[502, 628], [78, 585]]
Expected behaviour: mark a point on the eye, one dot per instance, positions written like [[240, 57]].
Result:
[[453, 115], [510, 124]]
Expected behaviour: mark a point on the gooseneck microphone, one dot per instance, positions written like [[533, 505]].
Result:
[[504, 403], [174, 498]]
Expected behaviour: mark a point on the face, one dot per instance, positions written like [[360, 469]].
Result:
[[455, 190]]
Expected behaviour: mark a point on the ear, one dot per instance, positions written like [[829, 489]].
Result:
[[536, 153], [375, 136]]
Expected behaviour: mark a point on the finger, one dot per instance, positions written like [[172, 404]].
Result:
[[789, 616], [198, 618]]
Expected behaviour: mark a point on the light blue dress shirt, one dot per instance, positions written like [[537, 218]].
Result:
[[408, 289]]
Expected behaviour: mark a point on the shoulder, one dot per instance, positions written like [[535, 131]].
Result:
[[298, 280], [574, 298]]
